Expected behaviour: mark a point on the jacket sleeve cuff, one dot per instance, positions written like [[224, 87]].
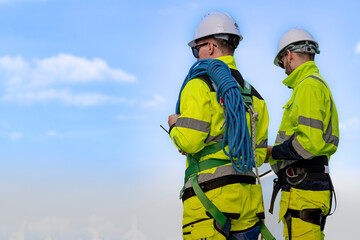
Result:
[[285, 151], [171, 127]]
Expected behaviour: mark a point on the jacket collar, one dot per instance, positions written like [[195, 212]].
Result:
[[229, 60], [301, 72]]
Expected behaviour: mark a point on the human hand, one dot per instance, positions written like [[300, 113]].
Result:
[[172, 119], [268, 153], [182, 152]]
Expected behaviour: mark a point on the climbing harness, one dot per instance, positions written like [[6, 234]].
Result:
[[293, 176], [235, 100]]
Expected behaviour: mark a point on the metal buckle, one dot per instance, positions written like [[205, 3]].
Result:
[[290, 173], [293, 178]]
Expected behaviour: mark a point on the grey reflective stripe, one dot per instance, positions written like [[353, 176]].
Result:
[[262, 144], [217, 138], [301, 150], [317, 78], [194, 124], [282, 137], [220, 172], [328, 137], [281, 165], [333, 140], [177, 143], [314, 123]]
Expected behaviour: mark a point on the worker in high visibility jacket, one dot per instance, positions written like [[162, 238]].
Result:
[[307, 137], [199, 125]]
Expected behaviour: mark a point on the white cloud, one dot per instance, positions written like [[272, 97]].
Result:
[[64, 96], [44, 79], [69, 68], [357, 49], [350, 125], [19, 235], [157, 100], [16, 136], [100, 227], [54, 227], [49, 225], [134, 233]]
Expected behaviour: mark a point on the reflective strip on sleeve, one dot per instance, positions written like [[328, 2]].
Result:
[[328, 137], [194, 124], [314, 123], [301, 150], [217, 138], [282, 137], [333, 140], [262, 144], [176, 143]]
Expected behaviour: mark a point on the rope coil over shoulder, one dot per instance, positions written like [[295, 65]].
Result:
[[236, 134]]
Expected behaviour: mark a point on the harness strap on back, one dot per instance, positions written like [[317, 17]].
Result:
[[245, 91], [214, 148], [222, 222], [246, 94], [195, 166], [265, 232]]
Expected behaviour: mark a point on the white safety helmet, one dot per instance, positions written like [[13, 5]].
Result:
[[219, 24], [296, 40]]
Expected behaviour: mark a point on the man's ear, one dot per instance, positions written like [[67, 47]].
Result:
[[290, 54], [211, 49]]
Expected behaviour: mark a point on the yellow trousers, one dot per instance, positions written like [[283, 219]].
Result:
[[240, 202], [298, 199]]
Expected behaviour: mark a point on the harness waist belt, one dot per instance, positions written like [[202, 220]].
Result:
[[315, 169], [219, 182]]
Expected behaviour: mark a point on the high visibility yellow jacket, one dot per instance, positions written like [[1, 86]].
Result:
[[199, 126], [309, 126], [201, 120]]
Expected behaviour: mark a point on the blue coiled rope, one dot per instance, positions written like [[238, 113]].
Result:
[[236, 134]]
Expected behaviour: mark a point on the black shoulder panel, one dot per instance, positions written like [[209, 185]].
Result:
[[207, 80], [237, 75]]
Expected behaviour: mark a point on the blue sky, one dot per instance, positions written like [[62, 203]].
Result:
[[84, 86]]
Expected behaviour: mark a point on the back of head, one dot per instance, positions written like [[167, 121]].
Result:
[[220, 26]]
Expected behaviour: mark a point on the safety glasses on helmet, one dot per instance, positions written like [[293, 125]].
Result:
[[301, 47]]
